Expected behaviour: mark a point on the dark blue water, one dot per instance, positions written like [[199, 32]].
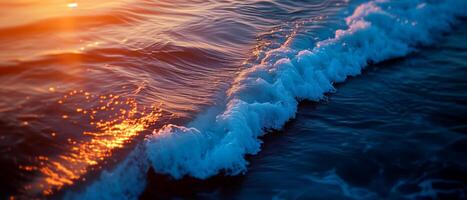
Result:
[[398, 131]]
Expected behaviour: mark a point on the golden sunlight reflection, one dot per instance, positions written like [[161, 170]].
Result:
[[62, 26], [114, 121]]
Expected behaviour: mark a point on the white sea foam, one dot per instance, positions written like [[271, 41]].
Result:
[[266, 96]]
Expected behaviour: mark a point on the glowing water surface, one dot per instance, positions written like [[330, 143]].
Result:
[[81, 81], [74, 89]]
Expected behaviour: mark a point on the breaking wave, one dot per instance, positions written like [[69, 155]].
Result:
[[264, 97]]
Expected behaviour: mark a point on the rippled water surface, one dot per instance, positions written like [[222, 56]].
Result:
[[80, 80]]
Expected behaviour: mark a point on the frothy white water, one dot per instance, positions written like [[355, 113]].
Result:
[[266, 96]]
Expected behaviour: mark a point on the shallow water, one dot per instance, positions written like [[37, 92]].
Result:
[[82, 83]]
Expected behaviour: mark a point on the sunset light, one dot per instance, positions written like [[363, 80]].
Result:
[[114, 122]]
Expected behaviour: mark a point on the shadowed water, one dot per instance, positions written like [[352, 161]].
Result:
[[398, 131]]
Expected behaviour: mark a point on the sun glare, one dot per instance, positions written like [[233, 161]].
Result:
[[72, 5]]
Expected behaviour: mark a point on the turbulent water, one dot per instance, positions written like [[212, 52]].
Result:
[[95, 95]]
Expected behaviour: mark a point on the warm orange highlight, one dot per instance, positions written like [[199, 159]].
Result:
[[125, 121]]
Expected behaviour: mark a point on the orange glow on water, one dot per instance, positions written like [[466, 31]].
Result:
[[122, 122], [61, 26], [62, 59]]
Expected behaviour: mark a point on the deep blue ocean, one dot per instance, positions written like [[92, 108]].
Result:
[[214, 99]]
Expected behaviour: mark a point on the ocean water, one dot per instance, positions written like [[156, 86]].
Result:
[[200, 99], [395, 132]]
